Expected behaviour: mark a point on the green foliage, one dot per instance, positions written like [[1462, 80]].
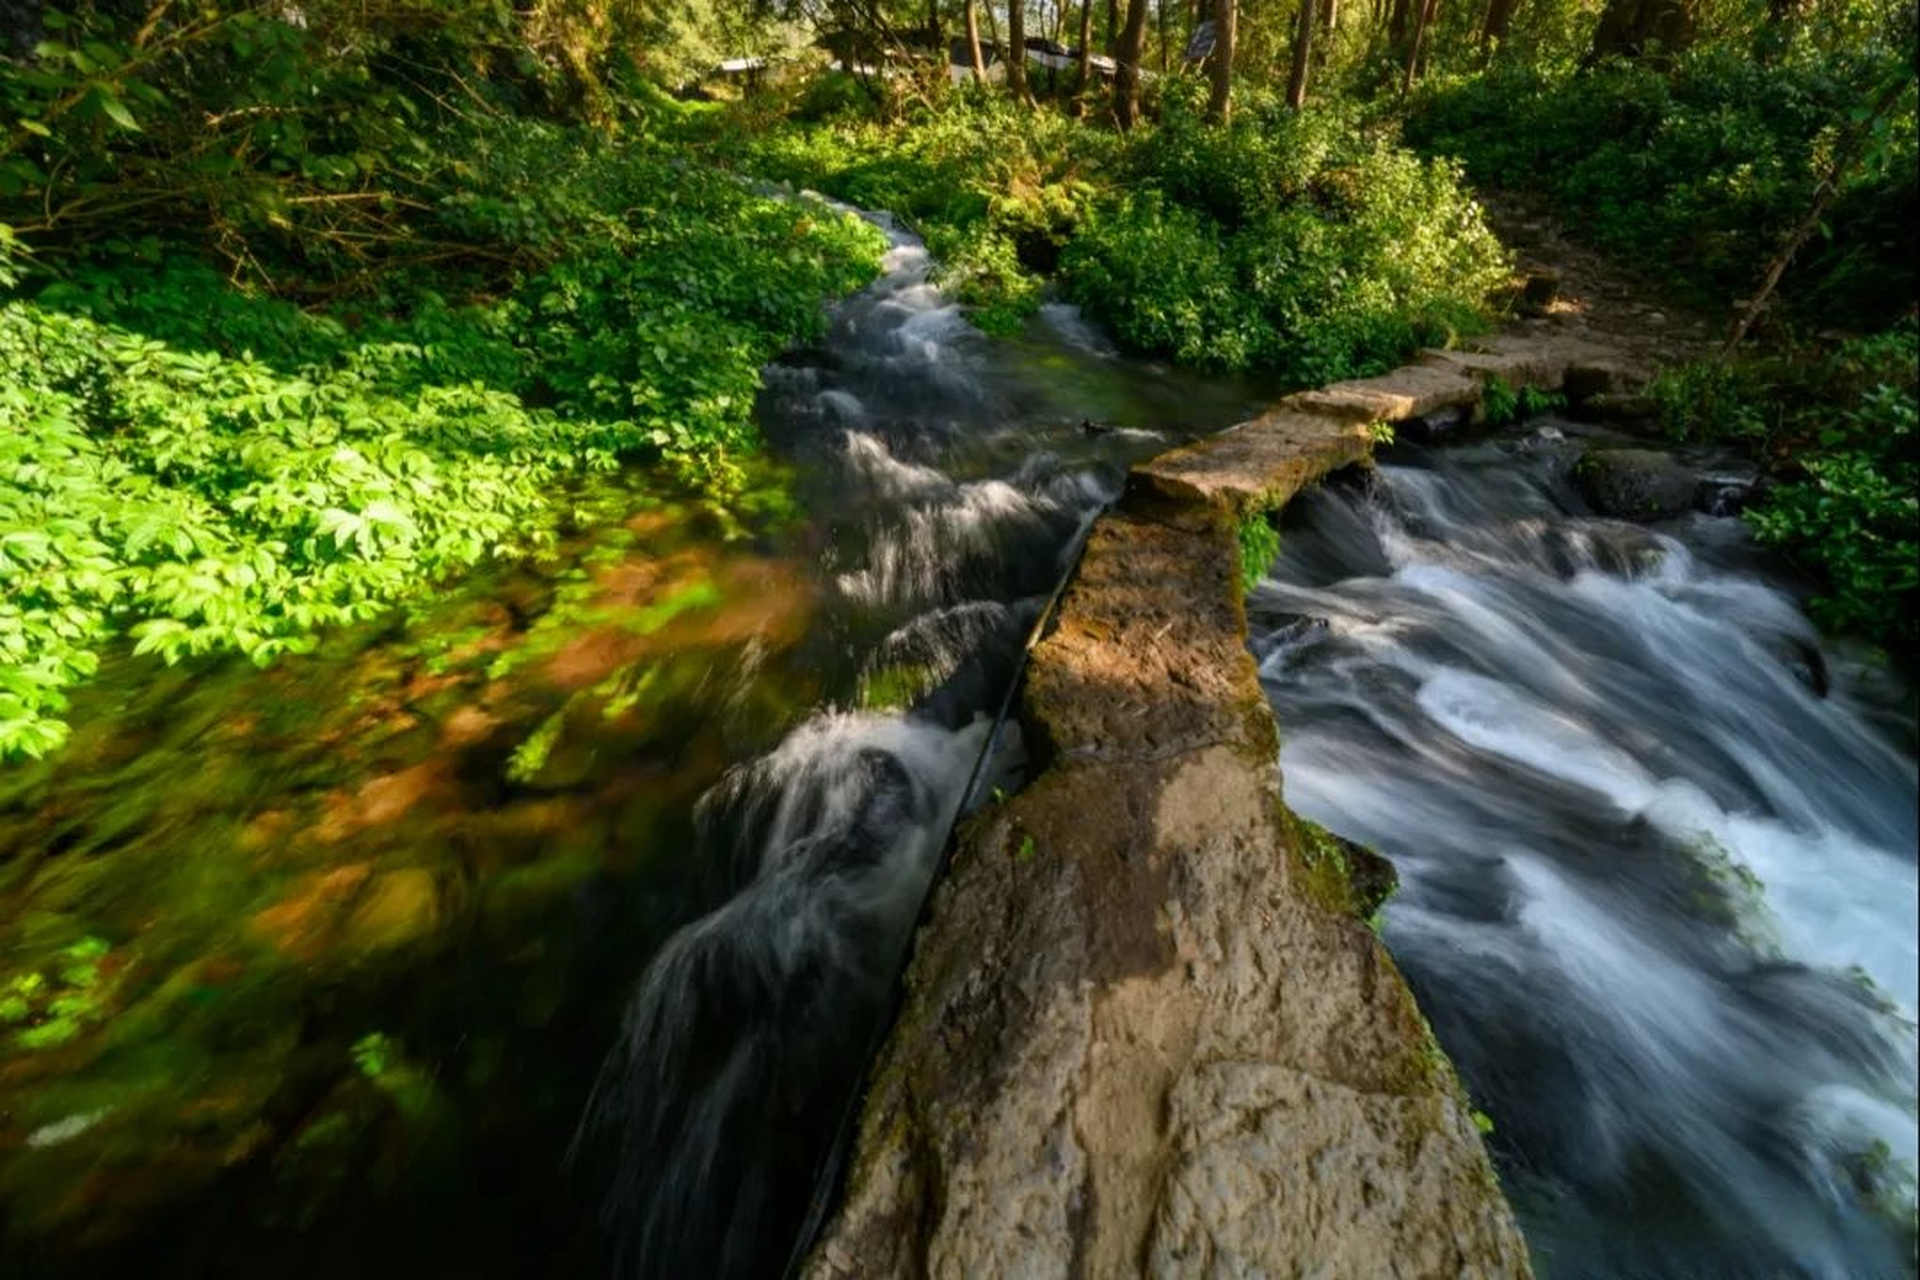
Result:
[[1259, 541], [1501, 403], [47, 1008], [1841, 427], [995, 190], [374, 1054], [1854, 515], [1702, 168], [204, 471], [1712, 400], [1296, 242], [304, 144]]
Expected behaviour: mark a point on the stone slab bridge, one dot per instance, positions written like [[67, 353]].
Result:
[[1145, 1030]]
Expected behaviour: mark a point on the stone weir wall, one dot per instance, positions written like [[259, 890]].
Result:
[[1146, 1031]]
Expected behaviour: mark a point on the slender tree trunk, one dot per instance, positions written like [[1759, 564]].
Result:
[[1113, 26], [1126, 56], [973, 43], [1220, 100], [1163, 37], [1397, 25], [1085, 68], [1302, 52], [1423, 21], [1329, 18], [1017, 50], [1494, 29]]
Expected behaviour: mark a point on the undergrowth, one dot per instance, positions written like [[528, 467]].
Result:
[[1298, 243], [203, 468]]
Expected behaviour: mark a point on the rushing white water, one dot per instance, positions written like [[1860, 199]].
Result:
[[1659, 895], [712, 1093], [948, 474]]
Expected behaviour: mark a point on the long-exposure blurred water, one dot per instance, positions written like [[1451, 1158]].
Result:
[[1658, 881]]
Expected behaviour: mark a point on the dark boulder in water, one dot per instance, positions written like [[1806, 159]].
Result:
[[1635, 484]]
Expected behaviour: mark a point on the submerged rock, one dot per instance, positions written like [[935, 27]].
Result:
[[1635, 484]]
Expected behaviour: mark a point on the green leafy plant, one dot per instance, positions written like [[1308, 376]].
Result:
[[203, 470], [1839, 428], [1499, 401], [1703, 162], [1259, 540], [48, 1007]]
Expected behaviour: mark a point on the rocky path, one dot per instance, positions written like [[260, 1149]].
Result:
[[1623, 305]]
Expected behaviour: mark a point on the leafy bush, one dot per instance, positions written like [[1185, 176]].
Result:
[[1295, 242], [203, 471], [996, 191], [1160, 276]]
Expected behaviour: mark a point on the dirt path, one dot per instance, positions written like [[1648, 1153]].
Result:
[[1611, 301]]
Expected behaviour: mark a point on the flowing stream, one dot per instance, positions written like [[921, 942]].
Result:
[[1658, 864], [955, 474], [542, 929]]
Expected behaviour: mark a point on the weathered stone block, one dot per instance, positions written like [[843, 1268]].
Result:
[[1258, 465], [1411, 392]]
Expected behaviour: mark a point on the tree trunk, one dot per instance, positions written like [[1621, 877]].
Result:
[[1423, 22], [1397, 26], [1632, 28], [1494, 30], [973, 43], [1163, 36], [1126, 79], [1017, 50], [1329, 17], [1113, 26], [1085, 68], [1302, 51], [1220, 101]]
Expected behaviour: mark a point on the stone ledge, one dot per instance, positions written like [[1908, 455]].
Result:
[[1258, 465], [1540, 363], [1143, 659], [1413, 391], [1141, 1035]]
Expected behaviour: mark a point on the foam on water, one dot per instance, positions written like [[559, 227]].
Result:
[[1660, 898]]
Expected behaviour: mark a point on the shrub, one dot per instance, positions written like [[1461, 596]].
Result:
[[1290, 241], [203, 470]]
